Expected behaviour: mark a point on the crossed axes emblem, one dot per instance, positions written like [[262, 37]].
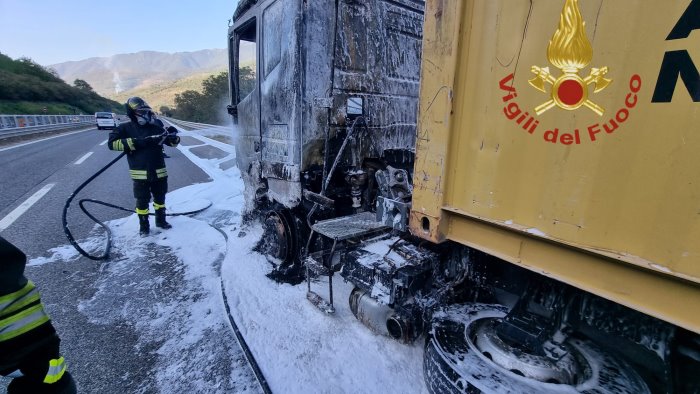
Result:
[[595, 78]]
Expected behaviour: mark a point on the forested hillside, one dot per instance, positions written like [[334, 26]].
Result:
[[163, 94], [28, 88], [209, 104]]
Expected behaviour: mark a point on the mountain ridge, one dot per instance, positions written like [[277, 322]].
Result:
[[112, 75]]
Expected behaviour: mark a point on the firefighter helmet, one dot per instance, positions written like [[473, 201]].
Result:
[[135, 106]]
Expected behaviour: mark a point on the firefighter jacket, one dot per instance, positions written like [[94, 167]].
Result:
[[146, 160], [25, 328]]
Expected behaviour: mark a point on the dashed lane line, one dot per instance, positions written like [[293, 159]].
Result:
[[104, 142], [82, 159], [24, 207]]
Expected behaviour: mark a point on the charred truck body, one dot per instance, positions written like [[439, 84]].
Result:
[[516, 180]]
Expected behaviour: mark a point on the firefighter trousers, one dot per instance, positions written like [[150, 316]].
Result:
[[144, 189]]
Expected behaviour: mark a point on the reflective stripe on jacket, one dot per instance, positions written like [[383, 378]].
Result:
[[21, 312], [26, 333]]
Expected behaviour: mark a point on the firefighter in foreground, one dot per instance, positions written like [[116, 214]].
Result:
[[142, 140], [28, 341]]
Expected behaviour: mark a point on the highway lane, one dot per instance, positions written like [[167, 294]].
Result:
[[62, 164], [104, 358], [26, 166]]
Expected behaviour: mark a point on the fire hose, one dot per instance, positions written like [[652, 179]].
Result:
[[81, 203]]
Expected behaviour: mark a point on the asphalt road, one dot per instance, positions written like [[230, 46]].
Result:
[[104, 357], [27, 169]]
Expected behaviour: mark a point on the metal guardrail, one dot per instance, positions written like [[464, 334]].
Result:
[[193, 125], [24, 121], [14, 125]]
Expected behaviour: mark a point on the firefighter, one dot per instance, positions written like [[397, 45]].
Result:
[[28, 341], [142, 140]]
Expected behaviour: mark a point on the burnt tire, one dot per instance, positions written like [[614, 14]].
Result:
[[453, 363], [280, 245]]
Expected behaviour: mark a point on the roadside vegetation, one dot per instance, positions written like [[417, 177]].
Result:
[[162, 94], [26, 87], [209, 104]]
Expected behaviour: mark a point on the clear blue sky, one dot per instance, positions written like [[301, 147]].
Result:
[[55, 31]]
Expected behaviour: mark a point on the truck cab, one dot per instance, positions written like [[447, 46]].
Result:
[[302, 74]]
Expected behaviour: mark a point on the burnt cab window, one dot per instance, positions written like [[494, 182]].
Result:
[[246, 62]]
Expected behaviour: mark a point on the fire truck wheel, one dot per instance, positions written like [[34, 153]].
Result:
[[463, 354]]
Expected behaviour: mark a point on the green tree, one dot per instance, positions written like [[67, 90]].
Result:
[[189, 106], [165, 110], [246, 81], [215, 91], [216, 86], [207, 106], [82, 85]]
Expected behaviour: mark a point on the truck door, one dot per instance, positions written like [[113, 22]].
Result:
[[279, 81], [245, 99]]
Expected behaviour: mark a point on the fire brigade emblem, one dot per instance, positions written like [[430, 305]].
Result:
[[570, 51]]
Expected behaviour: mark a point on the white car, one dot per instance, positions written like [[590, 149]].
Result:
[[106, 120]]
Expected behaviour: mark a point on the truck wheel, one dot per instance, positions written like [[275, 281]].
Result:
[[278, 239], [464, 355]]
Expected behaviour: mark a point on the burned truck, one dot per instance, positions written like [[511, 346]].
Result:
[[489, 175]]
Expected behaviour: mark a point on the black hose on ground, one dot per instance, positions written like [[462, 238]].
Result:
[[244, 345], [108, 243]]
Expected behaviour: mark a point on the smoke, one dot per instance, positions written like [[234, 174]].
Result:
[[225, 119], [222, 116], [117, 83]]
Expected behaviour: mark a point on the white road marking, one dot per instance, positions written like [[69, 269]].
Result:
[[82, 159], [14, 215], [104, 142], [44, 139]]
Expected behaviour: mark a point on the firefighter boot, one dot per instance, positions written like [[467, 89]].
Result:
[[144, 227], [160, 219]]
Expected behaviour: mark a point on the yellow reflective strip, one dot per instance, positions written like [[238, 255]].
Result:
[[138, 174], [23, 301], [142, 211], [130, 142], [19, 316], [161, 173], [19, 293], [158, 206], [57, 367], [14, 326]]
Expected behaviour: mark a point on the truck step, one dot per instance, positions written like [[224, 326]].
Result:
[[314, 262], [353, 226]]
